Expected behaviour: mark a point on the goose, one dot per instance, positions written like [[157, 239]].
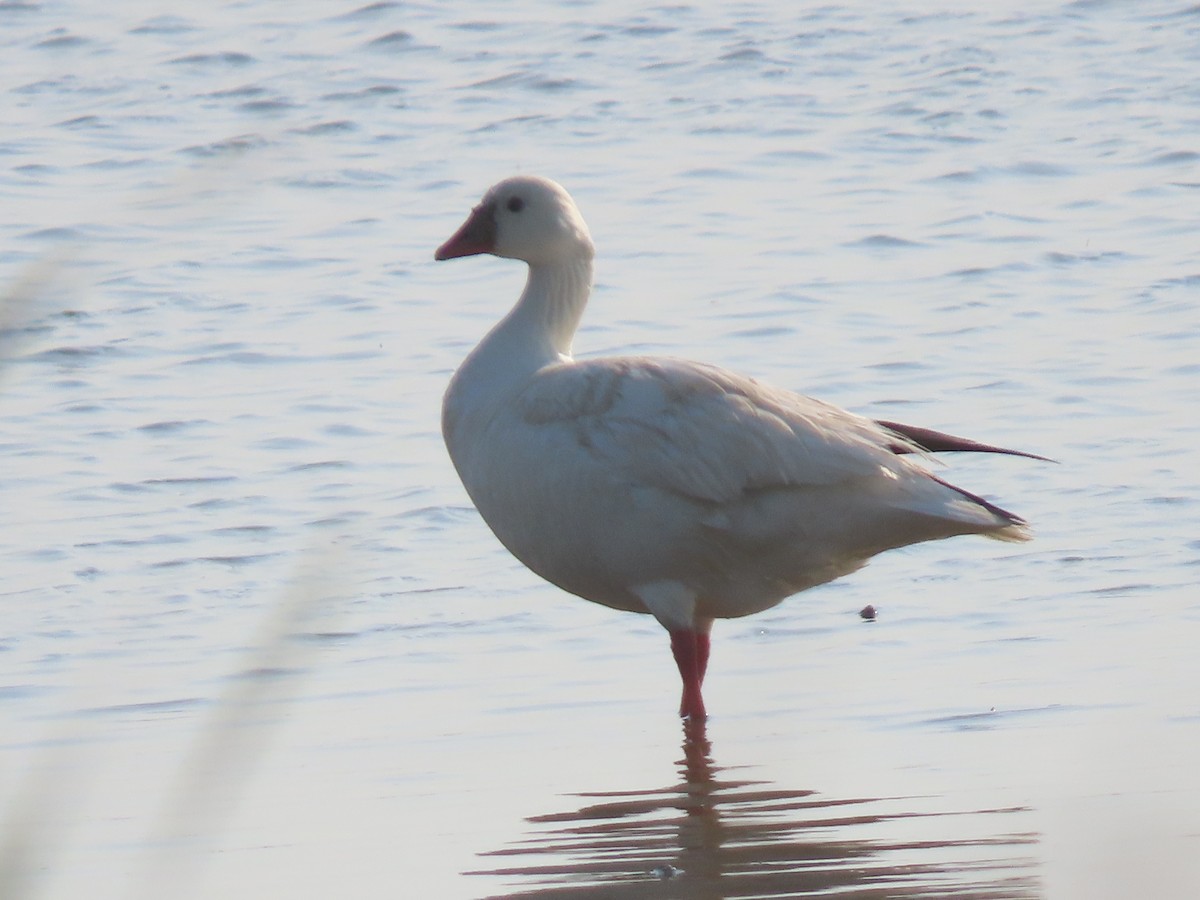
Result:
[[667, 487]]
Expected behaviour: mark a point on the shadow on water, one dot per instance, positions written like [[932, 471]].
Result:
[[710, 837]]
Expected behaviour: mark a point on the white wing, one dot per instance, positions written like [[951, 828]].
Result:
[[704, 433]]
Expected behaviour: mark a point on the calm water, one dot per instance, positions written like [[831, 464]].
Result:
[[255, 642]]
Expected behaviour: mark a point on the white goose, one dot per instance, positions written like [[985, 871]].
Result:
[[664, 486]]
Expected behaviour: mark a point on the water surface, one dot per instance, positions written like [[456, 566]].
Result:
[[255, 642]]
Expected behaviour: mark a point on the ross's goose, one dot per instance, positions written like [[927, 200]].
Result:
[[664, 486]]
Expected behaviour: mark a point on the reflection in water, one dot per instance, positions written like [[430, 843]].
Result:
[[708, 837]]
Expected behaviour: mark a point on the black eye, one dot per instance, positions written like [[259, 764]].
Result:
[[515, 204]]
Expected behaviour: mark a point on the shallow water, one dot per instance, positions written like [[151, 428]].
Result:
[[254, 641]]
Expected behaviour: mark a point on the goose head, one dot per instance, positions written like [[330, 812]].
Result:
[[527, 218]]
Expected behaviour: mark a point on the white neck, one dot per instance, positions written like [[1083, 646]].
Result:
[[537, 332], [547, 314], [540, 328]]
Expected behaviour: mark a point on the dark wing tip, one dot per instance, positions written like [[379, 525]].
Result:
[[939, 442]]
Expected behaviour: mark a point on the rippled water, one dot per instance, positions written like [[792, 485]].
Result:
[[255, 642]]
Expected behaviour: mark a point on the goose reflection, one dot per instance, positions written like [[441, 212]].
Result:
[[711, 837]]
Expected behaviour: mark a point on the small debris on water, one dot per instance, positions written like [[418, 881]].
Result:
[[868, 612], [666, 872]]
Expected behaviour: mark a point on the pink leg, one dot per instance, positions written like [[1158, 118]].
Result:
[[702, 653], [690, 647]]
